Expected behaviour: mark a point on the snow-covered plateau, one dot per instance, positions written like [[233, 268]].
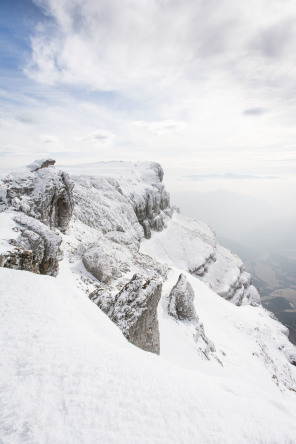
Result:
[[124, 322]]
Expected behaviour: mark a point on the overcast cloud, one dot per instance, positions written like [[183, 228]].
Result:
[[205, 87]]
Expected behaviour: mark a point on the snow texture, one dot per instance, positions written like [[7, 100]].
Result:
[[68, 376], [226, 369]]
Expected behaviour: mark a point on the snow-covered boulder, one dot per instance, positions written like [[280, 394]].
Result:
[[40, 163], [107, 260], [181, 304]]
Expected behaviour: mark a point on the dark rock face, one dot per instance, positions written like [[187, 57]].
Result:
[[181, 304], [35, 250], [42, 163], [135, 312]]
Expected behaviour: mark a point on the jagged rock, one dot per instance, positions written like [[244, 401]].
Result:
[[41, 163], [181, 307], [135, 312], [100, 204], [41, 198], [147, 229], [36, 249], [3, 201], [42, 193], [151, 208], [138, 195], [181, 304], [103, 300]]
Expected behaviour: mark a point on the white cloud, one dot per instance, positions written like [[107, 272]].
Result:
[[131, 44], [175, 81]]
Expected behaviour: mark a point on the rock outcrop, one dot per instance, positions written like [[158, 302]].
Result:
[[181, 304], [181, 307], [40, 163], [195, 249], [36, 249], [135, 312], [107, 260], [152, 208], [42, 193], [39, 199], [228, 278]]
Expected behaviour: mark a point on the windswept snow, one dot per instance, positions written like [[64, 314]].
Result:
[[76, 380]]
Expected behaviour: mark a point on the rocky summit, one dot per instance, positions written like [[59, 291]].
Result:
[[126, 275]]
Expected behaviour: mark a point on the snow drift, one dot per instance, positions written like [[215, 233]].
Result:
[[128, 266]]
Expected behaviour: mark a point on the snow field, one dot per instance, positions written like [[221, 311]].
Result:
[[76, 379]]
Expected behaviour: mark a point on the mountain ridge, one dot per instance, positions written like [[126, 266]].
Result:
[[122, 247]]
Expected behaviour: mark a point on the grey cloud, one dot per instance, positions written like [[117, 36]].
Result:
[[100, 136], [275, 40], [256, 111], [27, 119]]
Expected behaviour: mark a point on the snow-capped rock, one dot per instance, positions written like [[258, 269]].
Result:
[[35, 249], [192, 246], [39, 199], [40, 163], [181, 304], [139, 183], [135, 312], [42, 192]]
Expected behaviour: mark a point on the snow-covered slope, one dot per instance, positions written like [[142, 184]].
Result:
[[226, 371], [68, 376]]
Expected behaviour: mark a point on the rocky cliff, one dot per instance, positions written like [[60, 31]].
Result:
[[37, 199], [127, 270], [113, 225]]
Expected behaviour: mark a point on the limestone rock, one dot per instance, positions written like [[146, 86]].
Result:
[[152, 208], [181, 307], [106, 260], [181, 304], [135, 312], [43, 193], [36, 249], [103, 300], [41, 163]]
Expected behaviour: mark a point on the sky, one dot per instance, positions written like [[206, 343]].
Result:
[[205, 87]]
